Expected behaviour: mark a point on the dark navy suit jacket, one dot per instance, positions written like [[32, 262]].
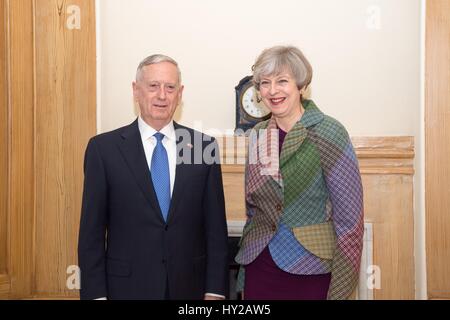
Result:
[[126, 250]]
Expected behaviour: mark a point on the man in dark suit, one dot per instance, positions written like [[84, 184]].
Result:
[[153, 220]]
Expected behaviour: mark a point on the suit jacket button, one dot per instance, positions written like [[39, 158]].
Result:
[[274, 228], [278, 207], [166, 227]]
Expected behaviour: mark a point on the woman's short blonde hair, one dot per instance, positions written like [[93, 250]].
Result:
[[275, 60]]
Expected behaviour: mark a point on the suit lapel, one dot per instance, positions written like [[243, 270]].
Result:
[[181, 170], [295, 138], [293, 141], [133, 152]]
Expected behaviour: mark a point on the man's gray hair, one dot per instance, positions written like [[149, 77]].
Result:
[[157, 58]]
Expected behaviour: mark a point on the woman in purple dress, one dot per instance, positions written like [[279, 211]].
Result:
[[304, 231]]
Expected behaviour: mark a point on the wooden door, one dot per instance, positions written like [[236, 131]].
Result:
[[437, 149], [49, 114]]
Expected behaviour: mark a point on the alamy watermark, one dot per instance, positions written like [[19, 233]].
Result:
[[73, 281], [198, 148], [373, 21]]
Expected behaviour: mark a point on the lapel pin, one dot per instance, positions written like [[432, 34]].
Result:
[[190, 145]]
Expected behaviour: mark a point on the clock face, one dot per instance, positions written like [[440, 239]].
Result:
[[253, 105]]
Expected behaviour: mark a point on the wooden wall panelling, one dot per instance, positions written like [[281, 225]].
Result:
[[5, 286], [21, 197], [386, 165], [65, 120], [3, 141], [437, 148], [233, 150], [388, 204], [52, 95]]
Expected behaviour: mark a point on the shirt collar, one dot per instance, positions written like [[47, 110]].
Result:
[[147, 131]]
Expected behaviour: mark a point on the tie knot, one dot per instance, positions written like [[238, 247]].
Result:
[[159, 136]]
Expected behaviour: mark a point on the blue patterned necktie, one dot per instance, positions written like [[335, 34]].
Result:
[[161, 175]]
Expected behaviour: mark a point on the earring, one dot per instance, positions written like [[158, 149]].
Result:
[[258, 97]]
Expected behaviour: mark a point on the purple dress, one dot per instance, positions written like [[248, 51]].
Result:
[[265, 281]]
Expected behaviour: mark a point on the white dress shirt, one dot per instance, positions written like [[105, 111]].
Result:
[[169, 142]]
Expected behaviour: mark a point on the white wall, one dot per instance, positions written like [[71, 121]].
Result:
[[368, 79], [367, 68]]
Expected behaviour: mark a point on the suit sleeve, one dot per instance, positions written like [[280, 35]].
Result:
[[91, 241], [343, 181], [217, 274]]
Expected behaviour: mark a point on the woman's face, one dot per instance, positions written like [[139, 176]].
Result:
[[280, 94]]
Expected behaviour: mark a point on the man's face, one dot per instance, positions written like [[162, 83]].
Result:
[[158, 92]]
